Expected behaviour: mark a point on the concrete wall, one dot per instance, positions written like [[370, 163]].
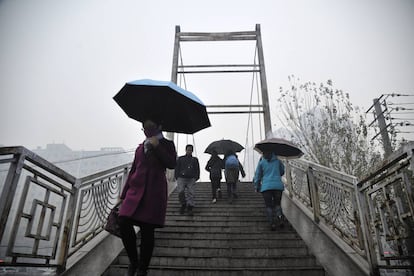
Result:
[[94, 259]]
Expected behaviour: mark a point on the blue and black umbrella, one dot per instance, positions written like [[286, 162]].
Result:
[[164, 102]]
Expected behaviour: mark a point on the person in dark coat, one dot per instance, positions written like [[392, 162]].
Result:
[[187, 172], [144, 196], [214, 166]]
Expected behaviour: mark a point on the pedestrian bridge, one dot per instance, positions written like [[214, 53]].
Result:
[[52, 223]]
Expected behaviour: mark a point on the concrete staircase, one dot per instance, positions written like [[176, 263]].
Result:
[[225, 239]]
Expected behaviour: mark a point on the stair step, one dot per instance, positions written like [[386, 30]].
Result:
[[219, 271], [231, 261], [270, 236], [224, 243], [225, 239], [209, 252], [224, 229]]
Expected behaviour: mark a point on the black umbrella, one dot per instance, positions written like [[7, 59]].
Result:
[[223, 146], [279, 147], [175, 109]]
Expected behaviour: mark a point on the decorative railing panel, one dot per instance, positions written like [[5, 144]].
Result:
[[35, 209], [298, 184], [47, 215], [389, 202], [39, 221], [98, 194], [337, 203], [330, 196], [375, 216]]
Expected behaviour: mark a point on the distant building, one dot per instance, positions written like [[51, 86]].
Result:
[[81, 163]]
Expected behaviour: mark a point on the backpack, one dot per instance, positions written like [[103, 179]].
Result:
[[231, 162]]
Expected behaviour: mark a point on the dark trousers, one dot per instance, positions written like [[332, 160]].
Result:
[[215, 184], [232, 177], [129, 239], [231, 190], [272, 199]]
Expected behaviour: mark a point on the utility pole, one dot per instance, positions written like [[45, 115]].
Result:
[[379, 115]]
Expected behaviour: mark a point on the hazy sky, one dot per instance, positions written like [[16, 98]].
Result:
[[61, 62]]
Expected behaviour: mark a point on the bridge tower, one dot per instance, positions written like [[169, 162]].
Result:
[[258, 67]]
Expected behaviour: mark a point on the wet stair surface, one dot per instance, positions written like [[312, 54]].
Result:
[[224, 239]]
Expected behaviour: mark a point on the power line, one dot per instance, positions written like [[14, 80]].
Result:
[[399, 95], [389, 118], [391, 103]]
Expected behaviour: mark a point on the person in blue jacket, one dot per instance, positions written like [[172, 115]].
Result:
[[268, 181]]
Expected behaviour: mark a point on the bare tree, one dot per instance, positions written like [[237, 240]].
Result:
[[329, 129]]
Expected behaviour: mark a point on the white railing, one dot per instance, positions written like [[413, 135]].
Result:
[[46, 214], [375, 216]]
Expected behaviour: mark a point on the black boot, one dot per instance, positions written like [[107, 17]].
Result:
[[132, 268], [229, 194], [281, 221], [182, 209], [190, 210]]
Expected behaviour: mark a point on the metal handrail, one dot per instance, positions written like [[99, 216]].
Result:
[[47, 215], [374, 216]]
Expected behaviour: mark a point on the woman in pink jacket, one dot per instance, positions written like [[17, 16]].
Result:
[[144, 196]]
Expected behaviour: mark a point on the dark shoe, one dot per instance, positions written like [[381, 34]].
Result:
[[141, 272], [190, 210], [182, 209], [281, 220], [273, 227], [131, 270], [219, 193], [230, 197]]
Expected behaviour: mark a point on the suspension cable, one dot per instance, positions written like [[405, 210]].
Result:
[[250, 122]]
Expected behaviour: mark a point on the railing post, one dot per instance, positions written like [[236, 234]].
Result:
[[314, 194], [289, 179], [68, 228], [124, 179], [363, 211], [9, 189]]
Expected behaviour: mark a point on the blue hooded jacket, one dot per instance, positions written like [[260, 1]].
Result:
[[268, 174]]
